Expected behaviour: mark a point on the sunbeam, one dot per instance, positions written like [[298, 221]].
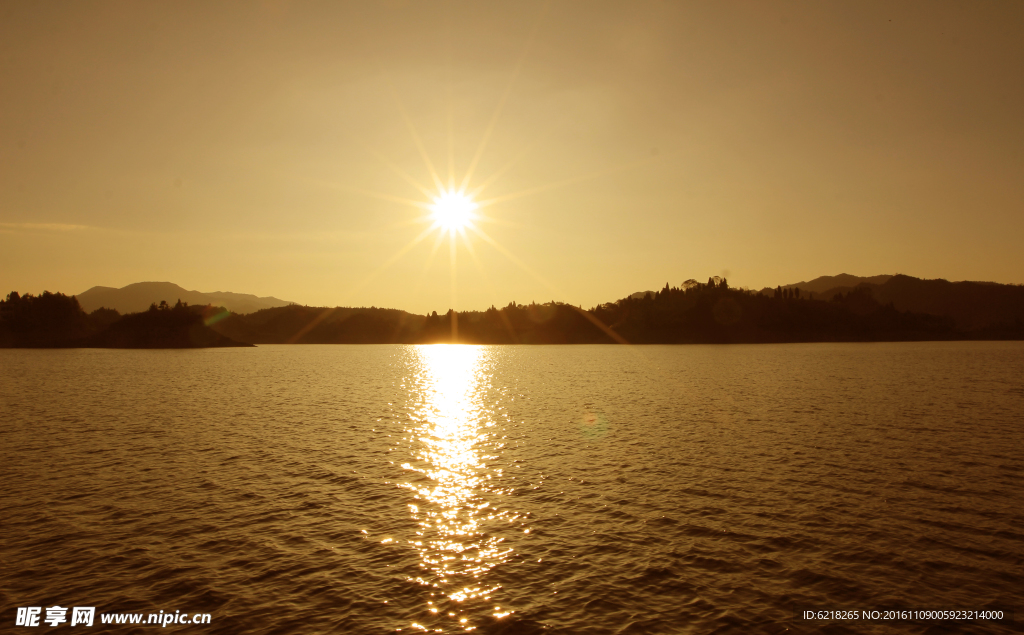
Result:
[[451, 101], [401, 173], [430, 260], [490, 180], [522, 265], [370, 193], [504, 97], [508, 254], [490, 288], [393, 259], [570, 181], [405, 176], [455, 292], [484, 218], [416, 139]]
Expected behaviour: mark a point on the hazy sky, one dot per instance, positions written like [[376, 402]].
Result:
[[261, 147]]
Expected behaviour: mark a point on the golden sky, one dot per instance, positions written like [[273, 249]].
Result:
[[270, 147]]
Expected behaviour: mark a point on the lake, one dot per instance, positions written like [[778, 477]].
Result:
[[515, 489]]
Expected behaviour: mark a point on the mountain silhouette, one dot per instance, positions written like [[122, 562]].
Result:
[[972, 305], [822, 284], [640, 295], [137, 297]]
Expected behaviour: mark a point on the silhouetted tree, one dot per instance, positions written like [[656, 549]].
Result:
[[104, 317], [49, 319]]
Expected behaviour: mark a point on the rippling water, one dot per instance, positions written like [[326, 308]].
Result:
[[584, 489]]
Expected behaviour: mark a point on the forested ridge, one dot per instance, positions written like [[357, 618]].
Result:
[[54, 320], [692, 313]]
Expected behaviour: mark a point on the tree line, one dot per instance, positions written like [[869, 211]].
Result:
[[693, 312], [55, 320]]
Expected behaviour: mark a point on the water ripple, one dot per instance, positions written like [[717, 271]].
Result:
[[581, 489]]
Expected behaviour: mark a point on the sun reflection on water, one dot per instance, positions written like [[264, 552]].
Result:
[[457, 493]]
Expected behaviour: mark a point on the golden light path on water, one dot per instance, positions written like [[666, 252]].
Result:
[[456, 492]]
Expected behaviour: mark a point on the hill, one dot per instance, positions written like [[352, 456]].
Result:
[[163, 327], [294, 324], [640, 295], [139, 296], [822, 284], [972, 305], [694, 313]]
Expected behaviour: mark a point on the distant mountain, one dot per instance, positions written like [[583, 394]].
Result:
[[972, 305], [137, 297], [640, 295], [822, 284]]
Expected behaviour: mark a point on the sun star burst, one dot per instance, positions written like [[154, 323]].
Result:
[[452, 210]]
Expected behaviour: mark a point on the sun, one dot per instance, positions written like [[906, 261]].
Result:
[[453, 210]]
